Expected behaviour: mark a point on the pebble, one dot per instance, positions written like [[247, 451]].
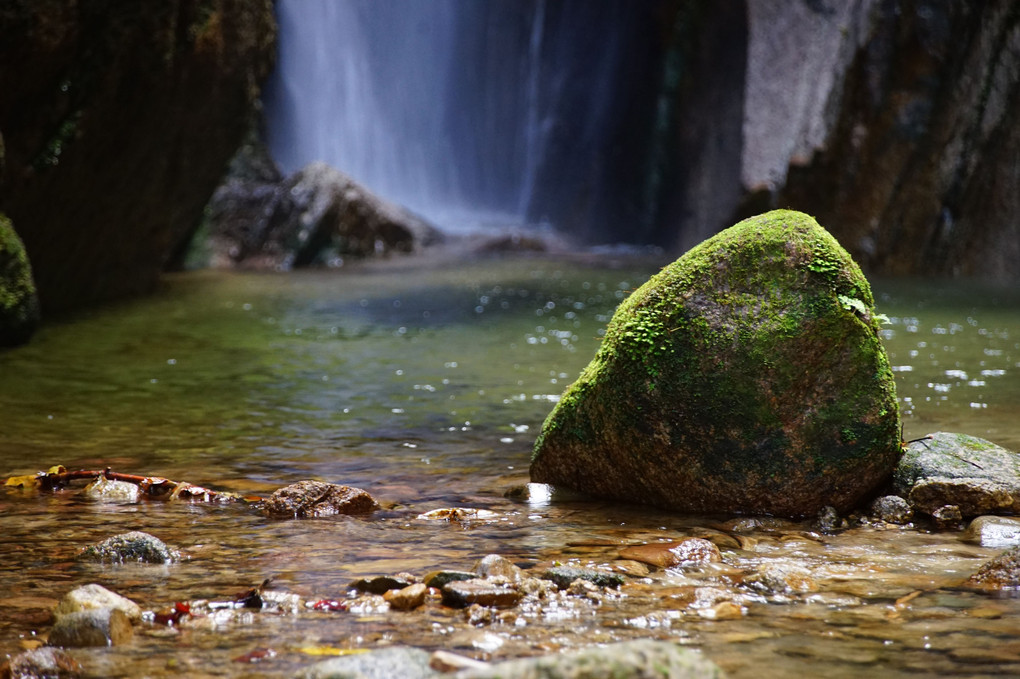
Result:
[[496, 565], [563, 576], [947, 517], [109, 490], [439, 579], [463, 593], [891, 509], [407, 598]]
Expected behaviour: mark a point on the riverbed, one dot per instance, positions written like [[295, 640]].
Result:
[[425, 384]]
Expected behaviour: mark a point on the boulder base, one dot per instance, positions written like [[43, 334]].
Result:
[[746, 377]]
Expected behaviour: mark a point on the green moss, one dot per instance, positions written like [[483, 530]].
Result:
[[19, 307], [726, 336]]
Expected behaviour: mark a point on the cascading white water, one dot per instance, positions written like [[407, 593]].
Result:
[[469, 112], [373, 88]]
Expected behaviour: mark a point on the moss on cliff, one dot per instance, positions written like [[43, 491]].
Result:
[[19, 308]]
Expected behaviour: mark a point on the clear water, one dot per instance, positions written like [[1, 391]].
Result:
[[426, 383]]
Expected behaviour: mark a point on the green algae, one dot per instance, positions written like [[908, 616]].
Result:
[[740, 364]]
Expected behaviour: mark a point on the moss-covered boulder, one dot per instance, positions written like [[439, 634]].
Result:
[[746, 377], [19, 306]]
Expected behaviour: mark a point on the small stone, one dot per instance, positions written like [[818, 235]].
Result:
[[947, 517], [671, 554], [109, 490], [45, 662], [382, 583], [635, 569], [458, 514], [724, 610], [439, 579], [96, 627], [782, 578], [306, 499], [408, 598], [496, 565], [1000, 573], [828, 520], [891, 509], [463, 593], [131, 546], [95, 597], [993, 531], [563, 576]]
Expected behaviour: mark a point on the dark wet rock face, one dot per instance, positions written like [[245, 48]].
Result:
[[97, 627], [306, 499], [970, 473], [746, 377], [118, 121]]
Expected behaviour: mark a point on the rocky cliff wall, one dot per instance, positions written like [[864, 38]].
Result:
[[896, 123], [118, 119]]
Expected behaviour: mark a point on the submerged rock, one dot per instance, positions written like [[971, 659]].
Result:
[[306, 499], [564, 576], [96, 627], [44, 662], [746, 377], [131, 546], [1002, 572], [484, 592], [639, 659], [670, 554], [973, 474], [386, 663]]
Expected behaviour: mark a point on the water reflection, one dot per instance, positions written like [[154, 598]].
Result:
[[427, 387]]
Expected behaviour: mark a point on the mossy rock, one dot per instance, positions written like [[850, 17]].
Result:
[[746, 377], [19, 306], [968, 472]]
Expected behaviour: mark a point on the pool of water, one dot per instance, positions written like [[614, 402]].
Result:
[[425, 383]]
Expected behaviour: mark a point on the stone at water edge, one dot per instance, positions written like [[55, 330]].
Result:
[[968, 472], [746, 377]]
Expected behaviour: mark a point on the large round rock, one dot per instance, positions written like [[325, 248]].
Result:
[[746, 377]]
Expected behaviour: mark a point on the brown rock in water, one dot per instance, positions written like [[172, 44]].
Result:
[[463, 593], [408, 597], [45, 662], [95, 627], [670, 554], [1001, 573], [306, 499]]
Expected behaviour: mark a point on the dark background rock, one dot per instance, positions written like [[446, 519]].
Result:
[[258, 219], [118, 120]]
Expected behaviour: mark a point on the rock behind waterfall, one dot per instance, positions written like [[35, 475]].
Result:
[[746, 377]]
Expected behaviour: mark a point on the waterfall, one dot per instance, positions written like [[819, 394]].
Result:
[[469, 112]]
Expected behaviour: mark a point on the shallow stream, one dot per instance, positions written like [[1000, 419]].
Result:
[[426, 384]]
